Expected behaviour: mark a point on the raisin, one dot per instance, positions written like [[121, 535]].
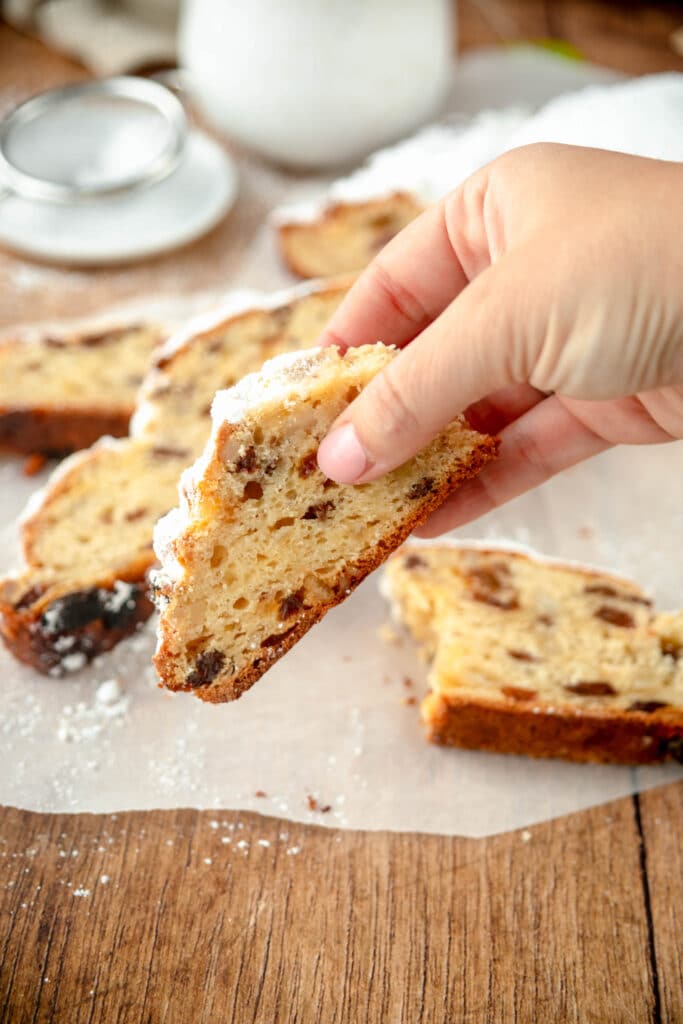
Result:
[[276, 638], [421, 488], [308, 464], [545, 620], [29, 597], [382, 220], [600, 588], [253, 491], [291, 604], [522, 655], [327, 483], [319, 511], [518, 693], [670, 647], [74, 611], [591, 688], [247, 462], [134, 515], [413, 562], [167, 452], [207, 667], [606, 591], [648, 706], [106, 338], [615, 616]]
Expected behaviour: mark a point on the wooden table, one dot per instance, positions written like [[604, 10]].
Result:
[[150, 917]]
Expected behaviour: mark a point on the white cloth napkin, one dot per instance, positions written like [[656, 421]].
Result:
[[109, 38]]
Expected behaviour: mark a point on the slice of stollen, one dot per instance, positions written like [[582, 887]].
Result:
[[263, 545], [533, 657], [87, 536]]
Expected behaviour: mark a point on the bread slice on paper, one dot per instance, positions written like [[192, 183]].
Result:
[[534, 657], [62, 388], [263, 545]]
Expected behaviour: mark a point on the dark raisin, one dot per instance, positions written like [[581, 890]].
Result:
[[591, 688], [29, 597], [413, 562], [55, 342], [670, 647], [600, 588], [615, 616], [207, 667], [106, 338], [382, 220], [308, 464], [276, 638], [521, 655], [271, 466], [319, 511], [327, 484], [252, 491], [606, 591], [648, 706], [167, 452], [518, 693], [291, 604], [545, 620], [247, 462], [490, 586], [421, 488], [135, 514], [74, 611]]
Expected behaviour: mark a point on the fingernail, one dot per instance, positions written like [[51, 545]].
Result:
[[342, 457]]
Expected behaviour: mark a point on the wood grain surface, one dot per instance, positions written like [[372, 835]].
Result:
[[190, 916], [193, 916]]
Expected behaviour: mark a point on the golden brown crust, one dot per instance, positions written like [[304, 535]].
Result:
[[224, 687], [574, 734], [57, 432], [346, 236]]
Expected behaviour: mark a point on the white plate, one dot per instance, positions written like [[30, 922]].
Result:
[[163, 216]]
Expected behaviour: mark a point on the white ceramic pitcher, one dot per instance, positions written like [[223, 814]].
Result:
[[317, 82]]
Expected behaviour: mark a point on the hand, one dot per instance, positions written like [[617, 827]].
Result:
[[545, 298]]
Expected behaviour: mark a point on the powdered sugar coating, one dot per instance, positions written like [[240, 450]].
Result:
[[642, 116], [428, 164], [277, 378]]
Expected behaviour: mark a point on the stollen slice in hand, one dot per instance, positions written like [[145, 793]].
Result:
[[263, 545], [533, 657]]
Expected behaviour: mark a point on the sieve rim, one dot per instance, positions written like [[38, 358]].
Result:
[[141, 90]]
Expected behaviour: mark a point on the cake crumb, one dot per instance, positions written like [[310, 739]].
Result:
[[388, 633], [34, 463], [408, 701], [261, 794], [525, 835]]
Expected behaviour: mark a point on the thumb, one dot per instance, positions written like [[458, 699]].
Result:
[[470, 350]]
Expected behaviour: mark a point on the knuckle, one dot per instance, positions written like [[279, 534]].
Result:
[[399, 298]]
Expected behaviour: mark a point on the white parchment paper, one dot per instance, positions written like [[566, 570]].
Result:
[[331, 734], [332, 720]]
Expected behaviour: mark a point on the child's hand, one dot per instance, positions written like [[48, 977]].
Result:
[[545, 296]]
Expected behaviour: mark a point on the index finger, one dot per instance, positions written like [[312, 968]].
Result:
[[417, 275]]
